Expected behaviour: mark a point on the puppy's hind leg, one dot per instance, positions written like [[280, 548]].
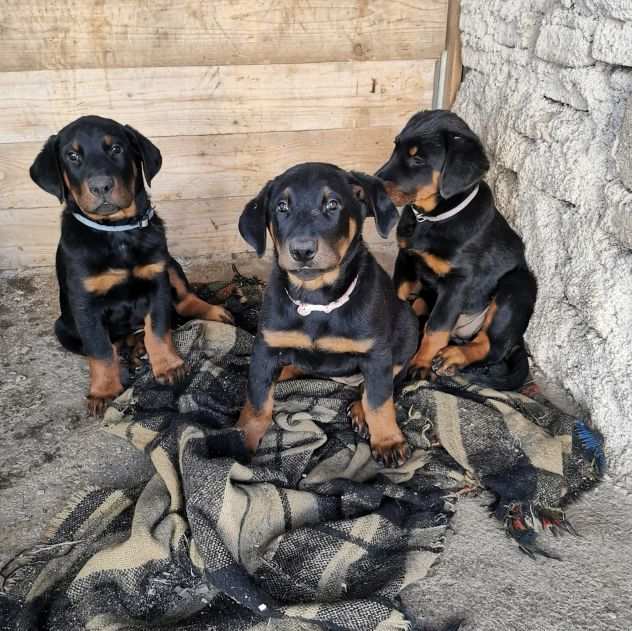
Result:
[[187, 304]]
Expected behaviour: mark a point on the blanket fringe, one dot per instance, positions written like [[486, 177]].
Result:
[[523, 523]]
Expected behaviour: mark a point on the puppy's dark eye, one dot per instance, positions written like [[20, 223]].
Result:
[[282, 206], [332, 205], [116, 149], [418, 160], [73, 156]]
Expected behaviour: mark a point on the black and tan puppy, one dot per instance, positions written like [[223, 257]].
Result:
[[457, 252], [114, 269], [329, 308]]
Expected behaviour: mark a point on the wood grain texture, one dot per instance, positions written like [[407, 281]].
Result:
[[194, 228], [205, 167], [39, 35], [200, 100]]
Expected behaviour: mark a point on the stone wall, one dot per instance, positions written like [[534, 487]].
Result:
[[548, 86]]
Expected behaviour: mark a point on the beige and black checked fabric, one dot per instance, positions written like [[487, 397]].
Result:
[[310, 530]]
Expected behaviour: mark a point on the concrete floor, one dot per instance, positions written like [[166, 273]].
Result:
[[50, 447]]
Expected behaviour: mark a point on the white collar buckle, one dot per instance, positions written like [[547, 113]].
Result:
[[305, 308]]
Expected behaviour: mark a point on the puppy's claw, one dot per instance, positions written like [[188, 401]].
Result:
[[97, 405], [393, 456], [355, 413], [172, 376], [419, 373]]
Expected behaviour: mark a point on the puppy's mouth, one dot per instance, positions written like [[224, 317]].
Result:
[[106, 208], [308, 273]]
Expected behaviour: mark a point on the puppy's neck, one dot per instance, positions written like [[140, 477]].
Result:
[[332, 284]]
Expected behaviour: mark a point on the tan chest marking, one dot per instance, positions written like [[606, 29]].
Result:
[[102, 283], [328, 344], [334, 344], [149, 271], [439, 266], [286, 339]]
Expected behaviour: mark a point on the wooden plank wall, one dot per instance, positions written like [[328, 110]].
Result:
[[232, 91]]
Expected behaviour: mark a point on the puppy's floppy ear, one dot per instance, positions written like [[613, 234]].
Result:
[[465, 163], [370, 192], [46, 170], [148, 153], [253, 223]]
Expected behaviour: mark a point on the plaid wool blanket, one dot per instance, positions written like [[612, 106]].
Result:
[[311, 533]]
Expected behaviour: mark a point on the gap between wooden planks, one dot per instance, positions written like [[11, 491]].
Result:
[[198, 167], [196, 101]]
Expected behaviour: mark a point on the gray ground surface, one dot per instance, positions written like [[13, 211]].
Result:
[[49, 447]]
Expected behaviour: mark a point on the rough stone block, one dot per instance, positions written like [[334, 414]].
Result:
[[613, 42], [566, 38], [618, 215], [559, 136], [623, 152], [619, 9]]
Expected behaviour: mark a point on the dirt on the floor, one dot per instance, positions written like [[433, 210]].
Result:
[[50, 447]]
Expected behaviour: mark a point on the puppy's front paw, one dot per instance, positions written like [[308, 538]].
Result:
[[98, 405], [419, 370], [392, 452], [219, 314], [448, 361], [169, 369]]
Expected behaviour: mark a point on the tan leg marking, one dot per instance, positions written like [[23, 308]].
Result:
[[105, 383], [452, 358], [166, 364], [289, 372], [189, 305], [254, 423], [431, 343], [388, 444], [408, 287], [420, 307]]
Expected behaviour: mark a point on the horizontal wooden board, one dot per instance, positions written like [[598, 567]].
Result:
[[198, 100], [28, 237], [38, 34], [206, 167]]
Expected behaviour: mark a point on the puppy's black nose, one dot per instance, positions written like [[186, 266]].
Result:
[[100, 184], [303, 250]]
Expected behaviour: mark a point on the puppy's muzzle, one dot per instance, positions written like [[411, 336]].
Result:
[[303, 250]]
